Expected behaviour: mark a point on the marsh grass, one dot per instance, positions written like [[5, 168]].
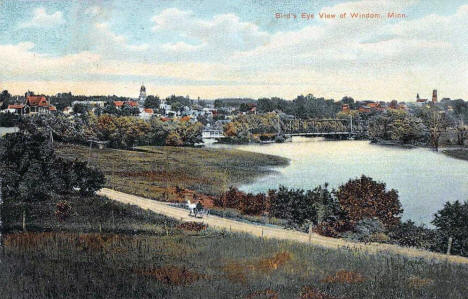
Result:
[[154, 172]]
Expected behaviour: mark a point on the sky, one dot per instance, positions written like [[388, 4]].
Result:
[[212, 49]]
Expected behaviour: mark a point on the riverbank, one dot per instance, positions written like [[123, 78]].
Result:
[[461, 154], [164, 171]]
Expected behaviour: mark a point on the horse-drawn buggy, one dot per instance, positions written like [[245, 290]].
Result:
[[196, 210]]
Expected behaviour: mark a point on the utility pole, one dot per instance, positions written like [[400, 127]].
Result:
[[89, 152]]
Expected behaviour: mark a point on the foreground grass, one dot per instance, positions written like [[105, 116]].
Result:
[[154, 171], [458, 154], [126, 252]]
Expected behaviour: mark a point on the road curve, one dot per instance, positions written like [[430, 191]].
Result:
[[314, 239]]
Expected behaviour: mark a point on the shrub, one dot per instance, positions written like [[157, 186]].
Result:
[[411, 235], [253, 204], [365, 198], [192, 226], [173, 139], [366, 230], [63, 210], [229, 199]]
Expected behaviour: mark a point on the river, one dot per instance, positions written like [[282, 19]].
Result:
[[425, 180], [4, 130]]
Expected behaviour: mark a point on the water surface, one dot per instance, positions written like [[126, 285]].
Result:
[[425, 180]]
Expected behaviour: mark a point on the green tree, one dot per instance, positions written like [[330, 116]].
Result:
[[5, 99], [32, 172], [152, 102], [452, 221]]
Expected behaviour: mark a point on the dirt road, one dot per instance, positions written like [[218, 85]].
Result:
[[276, 233]]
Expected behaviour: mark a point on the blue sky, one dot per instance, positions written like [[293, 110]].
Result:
[[218, 48]]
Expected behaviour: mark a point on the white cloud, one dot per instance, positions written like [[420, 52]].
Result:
[[361, 58], [180, 47], [110, 44], [42, 19], [218, 36], [94, 11]]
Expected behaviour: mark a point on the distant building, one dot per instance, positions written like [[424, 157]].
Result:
[[434, 96], [420, 102], [15, 108], [33, 105], [142, 96], [90, 104], [146, 113]]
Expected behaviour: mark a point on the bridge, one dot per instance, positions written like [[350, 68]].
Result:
[[212, 134], [331, 127]]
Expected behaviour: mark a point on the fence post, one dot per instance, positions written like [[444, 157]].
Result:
[[310, 232], [449, 245], [24, 220]]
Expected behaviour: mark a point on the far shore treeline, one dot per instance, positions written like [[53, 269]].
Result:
[[246, 120]]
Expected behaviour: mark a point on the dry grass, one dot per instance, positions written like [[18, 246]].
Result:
[[309, 292], [416, 282], [160, 260], [239, 271], [267, 294], [173, 275], [344, 276]]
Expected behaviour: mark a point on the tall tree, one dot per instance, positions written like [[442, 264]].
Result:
[[452, 222], [365, 198], [5, 99], [152, 102]]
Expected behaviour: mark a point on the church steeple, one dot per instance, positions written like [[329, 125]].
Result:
[[142, 96]]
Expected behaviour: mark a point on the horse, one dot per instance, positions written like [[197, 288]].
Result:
[[192, 207]]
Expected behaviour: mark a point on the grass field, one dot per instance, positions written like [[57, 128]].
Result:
[[154, 171], [109, 250]]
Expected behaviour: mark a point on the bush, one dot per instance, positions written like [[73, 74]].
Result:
[[63, 210], [251, 204], [173, 139], [365, 198], [452, 221], [411, 235], [366, 230]]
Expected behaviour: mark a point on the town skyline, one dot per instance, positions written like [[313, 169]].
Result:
[[228, 51]]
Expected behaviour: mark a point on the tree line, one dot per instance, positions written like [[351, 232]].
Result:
[[119, 131], [361, 209]]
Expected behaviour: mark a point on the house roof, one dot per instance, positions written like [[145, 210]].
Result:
[[421, 100], [148, 110], [132, 103], [118, 103], [16, 106], [39, 101], [52, 108]]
